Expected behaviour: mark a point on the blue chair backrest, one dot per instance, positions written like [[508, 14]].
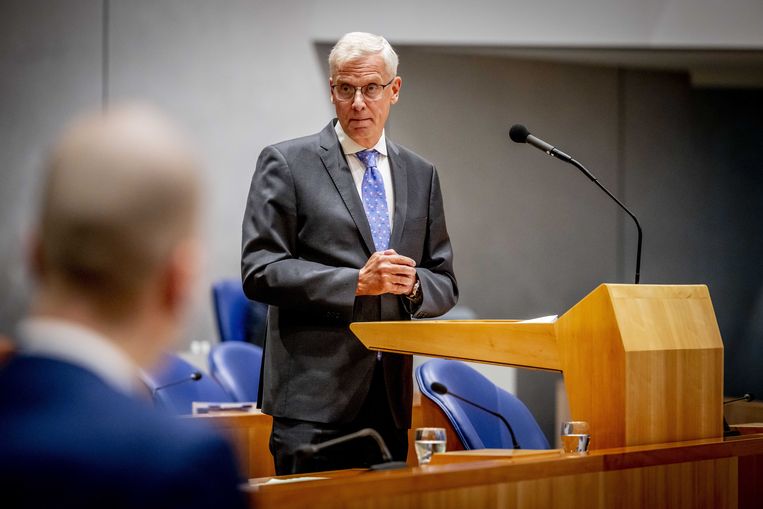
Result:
[[231, 309], [475, 428], [238, 318], [236, 366], [179, 398]]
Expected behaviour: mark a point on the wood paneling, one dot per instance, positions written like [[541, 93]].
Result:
[[505, 342], [643, 364], [744, 412], [702, 473], [249, 434]]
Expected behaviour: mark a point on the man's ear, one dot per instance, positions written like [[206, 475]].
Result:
[[7, 349], [35, 259], [397, 84], [179, 275]]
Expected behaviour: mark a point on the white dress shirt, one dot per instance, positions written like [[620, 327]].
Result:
[[358, 169], [75, 344]]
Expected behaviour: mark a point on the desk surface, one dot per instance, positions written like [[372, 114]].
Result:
[[681, 474]]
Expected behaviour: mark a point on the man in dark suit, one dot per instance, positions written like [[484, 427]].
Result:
[[343, 226], [114, 257]]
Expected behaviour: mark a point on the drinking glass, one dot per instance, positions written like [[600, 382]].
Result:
[[428, 442], [576, 435]]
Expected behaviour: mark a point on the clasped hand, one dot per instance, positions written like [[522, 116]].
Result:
[[387, 272]]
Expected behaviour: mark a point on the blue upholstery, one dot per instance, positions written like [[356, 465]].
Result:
[[231, 309], [236, 366], [238, 318], [477, 429], [179, 398]]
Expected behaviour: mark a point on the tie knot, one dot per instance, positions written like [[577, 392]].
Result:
[[368, 157]]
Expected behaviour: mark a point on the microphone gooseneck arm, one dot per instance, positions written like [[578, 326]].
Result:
[[746, 397], [514, 442], [593, 179], [309, 450], [193, 377], [441, 389], [519, 134]]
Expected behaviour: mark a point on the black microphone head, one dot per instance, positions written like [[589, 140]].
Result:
[[196, 376], [519, 133], [439, 388], [749, 396]]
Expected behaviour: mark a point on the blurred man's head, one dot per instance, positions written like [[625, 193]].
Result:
[[115, 246]]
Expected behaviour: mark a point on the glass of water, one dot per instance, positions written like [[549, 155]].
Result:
[[428, 442], [576, 435]]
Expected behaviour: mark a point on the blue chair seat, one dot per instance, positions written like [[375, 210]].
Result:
[[475, 428]]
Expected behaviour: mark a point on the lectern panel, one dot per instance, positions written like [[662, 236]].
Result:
[[643, 364]]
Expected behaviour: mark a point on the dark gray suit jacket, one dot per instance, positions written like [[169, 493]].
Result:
[[305, 237]]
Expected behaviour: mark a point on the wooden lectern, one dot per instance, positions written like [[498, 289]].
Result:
[[643, 364]]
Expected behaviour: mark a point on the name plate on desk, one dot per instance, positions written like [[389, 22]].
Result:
[[203, 407], [446, 458]]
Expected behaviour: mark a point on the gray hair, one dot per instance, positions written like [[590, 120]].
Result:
[[356, 45], [120, 194]]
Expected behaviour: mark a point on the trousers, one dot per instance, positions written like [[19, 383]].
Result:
[[289, 434]]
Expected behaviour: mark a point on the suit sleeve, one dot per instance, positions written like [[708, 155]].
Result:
[[271, 269], [435, 272]]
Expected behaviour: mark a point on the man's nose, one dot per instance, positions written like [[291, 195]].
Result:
[[358, 101]]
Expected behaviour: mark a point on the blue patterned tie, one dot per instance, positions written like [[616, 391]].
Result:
[[375, 200]]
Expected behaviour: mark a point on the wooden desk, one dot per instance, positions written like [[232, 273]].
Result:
[[750, 428], [249, 434], [701, 473], [744, 412]]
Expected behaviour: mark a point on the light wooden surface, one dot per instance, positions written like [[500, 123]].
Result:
[[505, 342], [491, 454], [752, 428], [643, 364], [702, 473], [744, 411], [249, 434]]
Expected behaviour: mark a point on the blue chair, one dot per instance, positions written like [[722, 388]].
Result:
[[238, 318], [178, 398], [236, 366], [475, 428]]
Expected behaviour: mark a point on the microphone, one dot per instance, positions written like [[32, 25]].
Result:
[[746, 397], [193, 377], [441, 389], [307, 451], [727, 431], [519, 134]]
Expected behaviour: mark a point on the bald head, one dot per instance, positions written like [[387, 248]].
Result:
[[119, 196]]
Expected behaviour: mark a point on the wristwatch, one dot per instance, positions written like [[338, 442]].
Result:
[[416, 291]]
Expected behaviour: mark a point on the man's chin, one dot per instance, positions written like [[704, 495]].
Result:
[[363, 134]]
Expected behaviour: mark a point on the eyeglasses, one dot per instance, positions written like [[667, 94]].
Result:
[[371, 92]]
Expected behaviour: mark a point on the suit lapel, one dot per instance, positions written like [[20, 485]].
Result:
[[333, 159], [400, 186]]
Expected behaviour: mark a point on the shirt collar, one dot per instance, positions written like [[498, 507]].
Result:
[[350, 146], [69, 342]]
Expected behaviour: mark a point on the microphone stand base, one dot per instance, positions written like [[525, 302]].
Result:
[[389, 465]]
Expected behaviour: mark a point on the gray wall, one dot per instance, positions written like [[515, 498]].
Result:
[[48, 72], [532, 236]]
